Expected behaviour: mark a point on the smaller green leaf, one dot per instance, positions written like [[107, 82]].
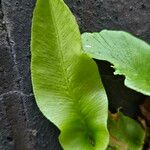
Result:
[[125, 133], [129, 55]]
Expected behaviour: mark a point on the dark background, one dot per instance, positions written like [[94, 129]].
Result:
[[22, 125]]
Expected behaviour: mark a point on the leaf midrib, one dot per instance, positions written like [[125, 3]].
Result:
[[64, 69]]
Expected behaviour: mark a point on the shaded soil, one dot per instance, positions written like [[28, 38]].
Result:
[[22, 125]]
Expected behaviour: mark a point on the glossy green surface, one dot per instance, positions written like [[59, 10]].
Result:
[[66, 82], [130, 56]]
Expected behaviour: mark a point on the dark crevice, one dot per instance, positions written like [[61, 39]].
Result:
[[10, 139], [143, 6], [118, 94]]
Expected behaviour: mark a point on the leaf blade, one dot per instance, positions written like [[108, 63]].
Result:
[[127, 53], [125, 133], [60, 77]]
